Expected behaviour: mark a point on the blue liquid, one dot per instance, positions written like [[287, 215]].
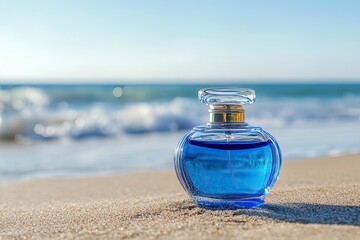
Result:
[[228, 174]]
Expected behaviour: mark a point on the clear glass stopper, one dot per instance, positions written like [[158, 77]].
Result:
[[227, 96]]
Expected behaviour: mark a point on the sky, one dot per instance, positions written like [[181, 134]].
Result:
[[149, 41]]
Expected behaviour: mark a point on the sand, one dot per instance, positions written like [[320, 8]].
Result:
[[313, 199]]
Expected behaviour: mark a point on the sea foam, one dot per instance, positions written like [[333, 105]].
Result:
[[29, 113]]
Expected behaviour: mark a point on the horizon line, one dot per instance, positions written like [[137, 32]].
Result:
[[189, 81]]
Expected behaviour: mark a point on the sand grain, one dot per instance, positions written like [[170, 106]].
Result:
[[317, 199]]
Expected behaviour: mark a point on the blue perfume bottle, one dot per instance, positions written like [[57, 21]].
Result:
[[227, 164]]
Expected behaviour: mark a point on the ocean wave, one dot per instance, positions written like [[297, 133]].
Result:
[[22, 98], [29, 114], [178, 114], [19, 109]]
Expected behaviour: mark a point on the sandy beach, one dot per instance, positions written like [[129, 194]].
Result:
[[313, 199]]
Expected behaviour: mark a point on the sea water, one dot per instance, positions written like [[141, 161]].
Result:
[[72, 130]]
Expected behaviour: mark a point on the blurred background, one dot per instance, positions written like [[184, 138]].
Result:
[[107, 87]]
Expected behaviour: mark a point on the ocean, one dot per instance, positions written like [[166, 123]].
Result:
[[84, 130]]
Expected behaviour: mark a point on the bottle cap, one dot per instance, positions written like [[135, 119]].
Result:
[[227, 96]]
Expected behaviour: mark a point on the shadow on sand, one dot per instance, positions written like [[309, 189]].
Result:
[[308, 213]]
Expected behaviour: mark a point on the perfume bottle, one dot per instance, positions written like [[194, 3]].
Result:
[[227, 164]]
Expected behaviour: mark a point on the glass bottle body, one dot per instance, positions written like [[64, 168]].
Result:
[[228, 166]]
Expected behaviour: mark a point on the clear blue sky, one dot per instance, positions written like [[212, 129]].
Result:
[[201, 40]]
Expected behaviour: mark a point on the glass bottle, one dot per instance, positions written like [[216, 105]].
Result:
[[227, 164]]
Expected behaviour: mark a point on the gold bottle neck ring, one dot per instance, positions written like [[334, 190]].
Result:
[[226, 114]]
